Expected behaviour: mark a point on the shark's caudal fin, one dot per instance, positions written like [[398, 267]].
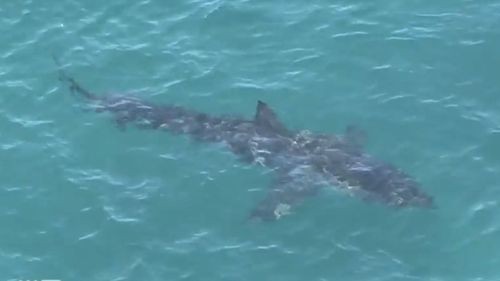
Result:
[[74, 87], [267, 119]]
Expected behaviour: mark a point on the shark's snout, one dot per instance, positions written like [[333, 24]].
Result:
[[390, 185]]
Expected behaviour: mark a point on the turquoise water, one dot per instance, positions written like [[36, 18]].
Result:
[[82, 200]]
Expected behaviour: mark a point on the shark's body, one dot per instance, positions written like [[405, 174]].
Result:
[[303, 163]]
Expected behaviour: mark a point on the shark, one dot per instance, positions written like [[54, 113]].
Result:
[[302, 163]]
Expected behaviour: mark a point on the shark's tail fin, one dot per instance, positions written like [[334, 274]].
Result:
[[74, 87]]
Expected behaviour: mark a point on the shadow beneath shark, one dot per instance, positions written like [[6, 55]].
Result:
[[303, 162]]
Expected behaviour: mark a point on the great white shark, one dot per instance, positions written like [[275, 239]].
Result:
[[303, 162]]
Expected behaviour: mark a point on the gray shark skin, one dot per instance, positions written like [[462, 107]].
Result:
[[303, 163]]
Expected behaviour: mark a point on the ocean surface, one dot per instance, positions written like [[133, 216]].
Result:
[[82, 200]]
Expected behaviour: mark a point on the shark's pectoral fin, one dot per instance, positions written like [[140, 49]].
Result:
[[266, 118], [286, 193], [270, 209]]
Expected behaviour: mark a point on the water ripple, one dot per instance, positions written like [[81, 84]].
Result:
[[86, 201]]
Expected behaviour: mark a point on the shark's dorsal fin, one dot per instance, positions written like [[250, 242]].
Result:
[[266, 118], [355, 136]]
